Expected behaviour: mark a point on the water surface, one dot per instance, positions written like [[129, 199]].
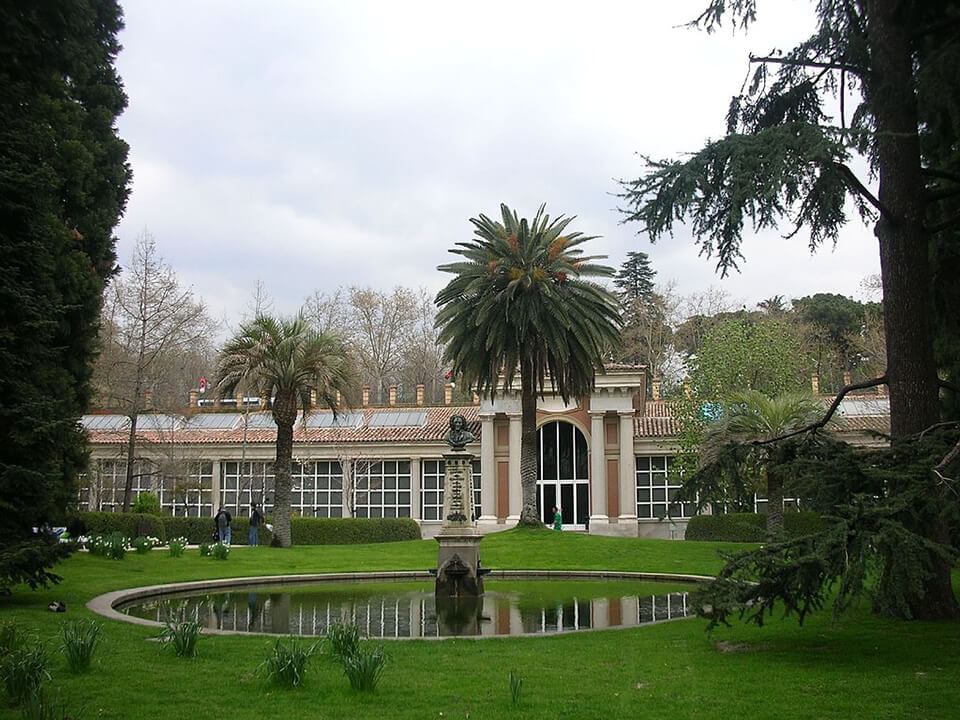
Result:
[[410, 610]]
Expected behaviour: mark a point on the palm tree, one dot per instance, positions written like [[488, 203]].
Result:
[[283, 360], [518, 302], [749, 418]]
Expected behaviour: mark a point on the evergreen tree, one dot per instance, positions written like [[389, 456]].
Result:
[[646, 314], [63, 187], [785, 157], [634, 279]]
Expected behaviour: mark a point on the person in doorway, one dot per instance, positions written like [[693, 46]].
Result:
[[557, 518], [256, 520], [222, 519]]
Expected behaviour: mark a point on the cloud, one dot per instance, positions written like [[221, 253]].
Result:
[[311, 145]]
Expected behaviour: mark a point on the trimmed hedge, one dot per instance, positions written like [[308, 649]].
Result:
[[130, 525], [306, 531], [352, 531], [749, 527]]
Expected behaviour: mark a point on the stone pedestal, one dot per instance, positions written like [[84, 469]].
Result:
[[458, 560]]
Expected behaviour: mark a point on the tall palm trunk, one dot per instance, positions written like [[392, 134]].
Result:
[[285, 415], [774, 503], [528, 445]]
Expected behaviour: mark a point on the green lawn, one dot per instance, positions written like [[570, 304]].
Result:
[[862, 667]]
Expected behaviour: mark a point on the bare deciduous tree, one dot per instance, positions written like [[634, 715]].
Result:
[[151, 324]]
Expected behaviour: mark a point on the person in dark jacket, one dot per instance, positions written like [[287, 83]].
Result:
[[222, 519], [256, 520]]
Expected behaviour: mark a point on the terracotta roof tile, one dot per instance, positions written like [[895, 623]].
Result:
[[433, 430], [657, 422]]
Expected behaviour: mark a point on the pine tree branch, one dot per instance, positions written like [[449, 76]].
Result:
[[945, 225], [942, 465], [941, 193], [808, 63], [947, 385], [853, 182], [940, 174], [882, 380]]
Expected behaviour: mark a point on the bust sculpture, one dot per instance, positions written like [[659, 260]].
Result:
[[458, 435]]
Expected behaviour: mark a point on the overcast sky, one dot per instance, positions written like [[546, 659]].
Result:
[[310, 145]]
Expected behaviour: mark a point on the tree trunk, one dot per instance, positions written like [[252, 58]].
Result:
[[774, 504], [911, 368], [131, 454], [285, 415], [528, 445]]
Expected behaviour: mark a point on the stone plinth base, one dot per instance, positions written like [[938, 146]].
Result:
[[458, 565]]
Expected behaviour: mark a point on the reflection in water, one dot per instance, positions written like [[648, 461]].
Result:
[[410, 613]]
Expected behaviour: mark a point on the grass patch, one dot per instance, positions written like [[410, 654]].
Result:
[[861, 667]]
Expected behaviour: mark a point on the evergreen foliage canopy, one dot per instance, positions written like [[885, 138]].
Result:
[[63, 187], [785, 159]]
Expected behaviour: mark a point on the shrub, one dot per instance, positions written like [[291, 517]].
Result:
[[23, 670], [146, 503], [364, 667], [749, 527], [113, 546], [182, 636], [352, 531], [798, 524], [204, 549], [287, 664], [80, 639], [728, 527], [344, 640], [220, 551], [130, 525], [195, 529], [143, 545], [306, 530], [177, 546]]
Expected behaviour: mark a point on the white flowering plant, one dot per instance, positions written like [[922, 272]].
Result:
[[145, 543], [177, 545]]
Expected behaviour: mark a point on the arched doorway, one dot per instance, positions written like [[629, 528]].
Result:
[[562, 474]]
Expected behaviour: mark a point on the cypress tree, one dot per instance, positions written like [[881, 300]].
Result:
[[63, 186]]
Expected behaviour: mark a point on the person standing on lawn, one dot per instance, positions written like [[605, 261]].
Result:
[[222, 519], [256, 520], [557, 518]]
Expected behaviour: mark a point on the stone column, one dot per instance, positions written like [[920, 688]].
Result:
[[628, 472], [516, 491], [488, 471], [415, 490], [345, 510], [598, 471], [214, 488]]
